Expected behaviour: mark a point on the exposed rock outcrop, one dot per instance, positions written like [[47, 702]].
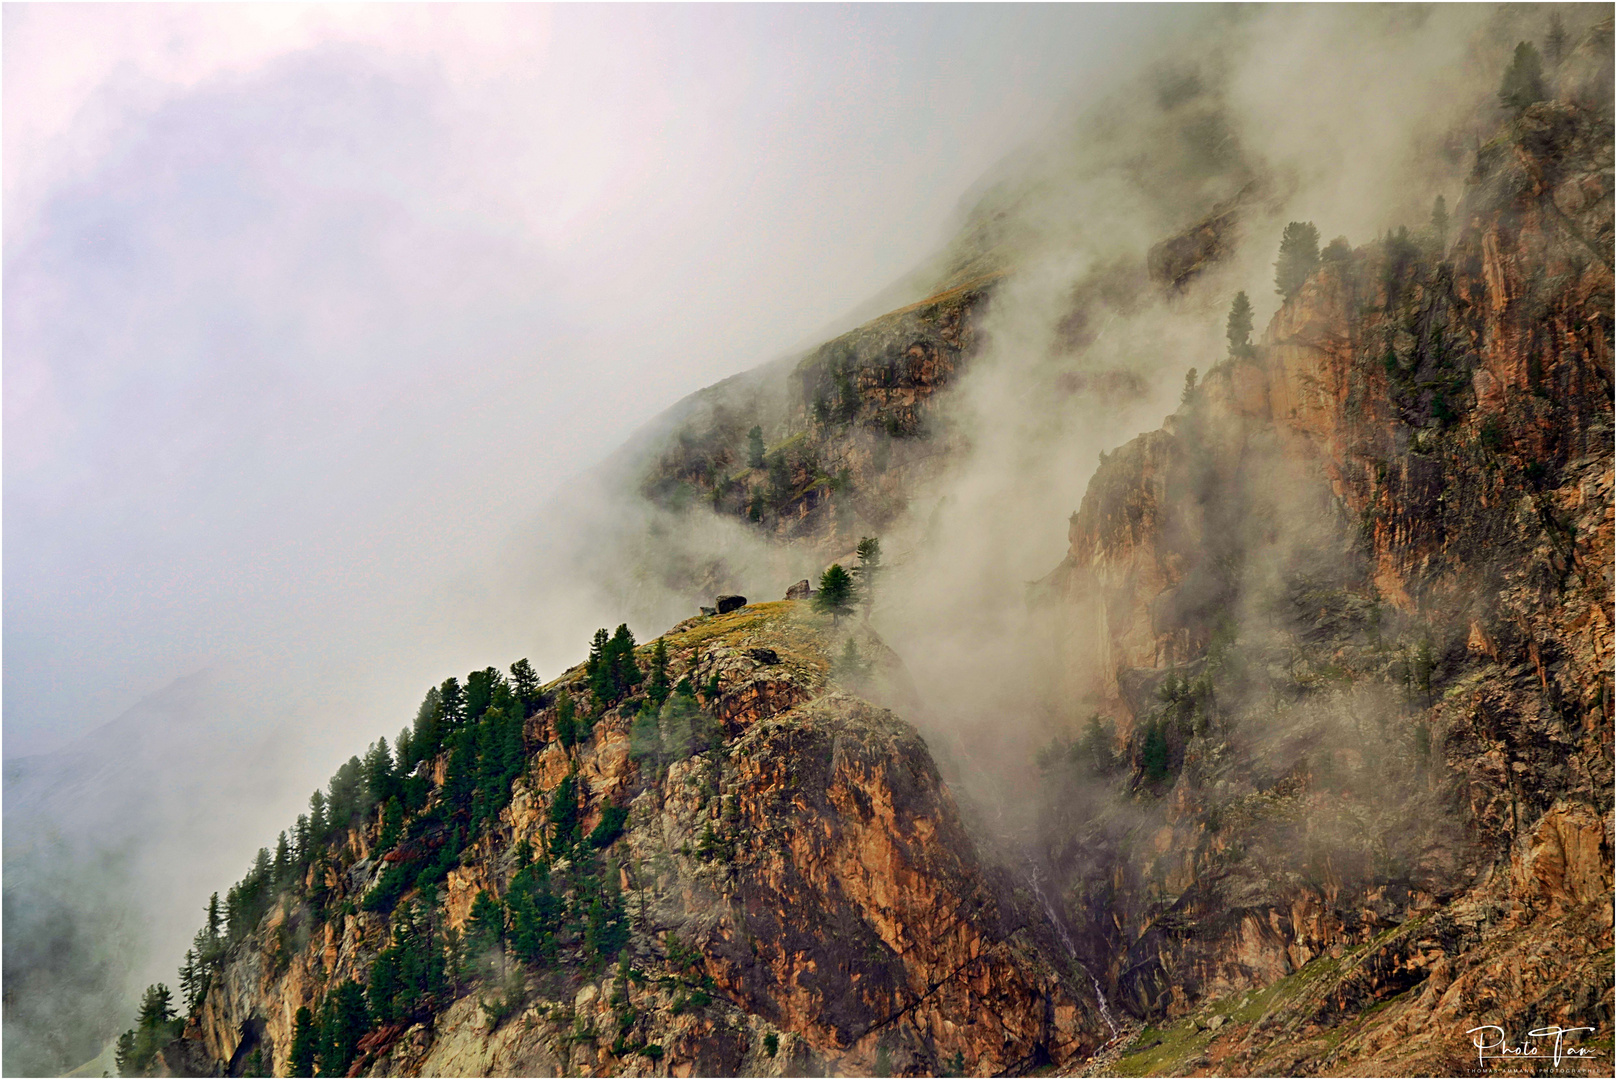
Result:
[[1350, 612], [800, 897]]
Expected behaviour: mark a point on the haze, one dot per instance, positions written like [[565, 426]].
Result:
[[307, 310]]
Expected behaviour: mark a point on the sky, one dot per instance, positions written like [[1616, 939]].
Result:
[[308, 310]]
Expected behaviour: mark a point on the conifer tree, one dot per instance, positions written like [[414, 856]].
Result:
[[525, 684], [1524, 79], [1238, 327], [281, 868], [1440, 221], [657, 683], [304, 1041], [1299, 255], [428, 727], [485, 930], [868, 570], [1555, 41], [566, 733], [625, 673], [451, 704], [836, 592], [755, 448]]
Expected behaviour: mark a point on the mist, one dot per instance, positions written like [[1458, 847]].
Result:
[[322, 325], [339, 341]]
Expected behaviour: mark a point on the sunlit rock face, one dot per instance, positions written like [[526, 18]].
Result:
[[1349, 617], [811, 866]]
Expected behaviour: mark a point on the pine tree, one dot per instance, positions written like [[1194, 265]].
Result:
[[451, 704], [1238, 327], [281, 869], [428, 727], [536, 914], [564, 816], [1555, 41], [755, 448], [1187, 395], [848, 665], [485, 932], [657, 685], [304, 1041], [344, 1021], [836, 593], [566, 734], [525, 684], [625, 673], [380, 782], [1440, 221], [404, 753], [1524, 80], [125, 1054], [193, 981], [156, 1007], [1299, 255], [869, 569]]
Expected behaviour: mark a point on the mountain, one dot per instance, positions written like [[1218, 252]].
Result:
[[1297, 760]]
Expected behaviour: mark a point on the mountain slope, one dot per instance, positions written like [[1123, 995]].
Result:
[[803, 878]]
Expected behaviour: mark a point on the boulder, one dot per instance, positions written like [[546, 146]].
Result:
[[707, 611], [764, 656], [801, 591], [727, 604]]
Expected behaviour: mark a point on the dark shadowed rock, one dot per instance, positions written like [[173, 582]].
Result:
[[727, 604], [764, 656]]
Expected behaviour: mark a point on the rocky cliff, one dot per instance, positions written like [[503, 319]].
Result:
[[1349, 616], [797, 895]]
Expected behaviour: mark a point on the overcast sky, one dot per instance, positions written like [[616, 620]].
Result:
[[306, 310]]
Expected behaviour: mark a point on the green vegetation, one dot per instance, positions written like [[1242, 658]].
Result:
[[564, 816], [537, 913], [836, 593], [610, 826], [1555, 40], [868, 570], [304, 1044], [1440, 221], [1238, 327], [410, 973], [755, 448], [563, 909], [848, 665], [1523, 83], [344, 1020], [1299, 256], [611, 669], [155, 1027]]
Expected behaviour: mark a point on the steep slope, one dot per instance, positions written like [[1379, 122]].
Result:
[[773, 881], [1350, 616]]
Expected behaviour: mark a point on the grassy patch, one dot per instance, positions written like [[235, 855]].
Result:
[[1163, 1051]]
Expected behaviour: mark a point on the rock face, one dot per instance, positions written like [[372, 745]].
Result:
[[723, 605], [855, 434], [1349, 616], [800, 896]]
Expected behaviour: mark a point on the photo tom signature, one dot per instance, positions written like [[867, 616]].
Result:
[[1489, 1040]]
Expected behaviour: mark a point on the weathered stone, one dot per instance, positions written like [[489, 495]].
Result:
[[801, 591], [726, 604]]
